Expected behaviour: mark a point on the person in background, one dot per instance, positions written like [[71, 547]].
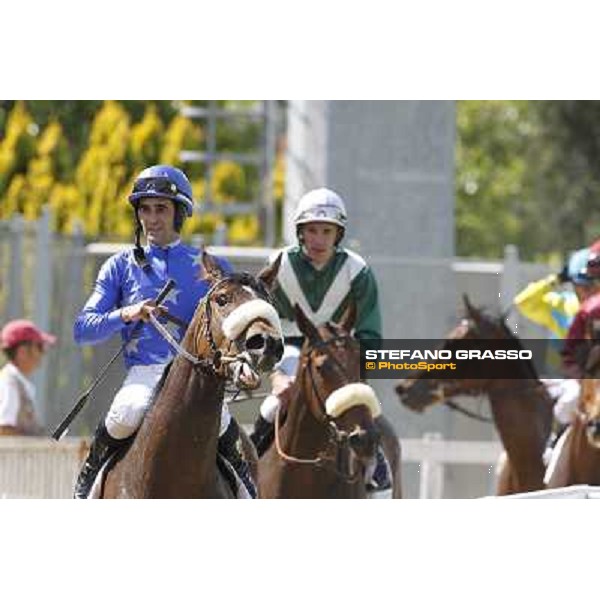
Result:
[[583, 332], [553, 304], [24, 345]]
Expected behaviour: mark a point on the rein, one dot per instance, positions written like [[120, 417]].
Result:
[[217, 360], [323, 458], [538, 386]]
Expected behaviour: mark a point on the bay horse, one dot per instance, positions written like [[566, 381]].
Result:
[[521, 406], [578, 452], [329, 438], [331, 356], [235, 333]]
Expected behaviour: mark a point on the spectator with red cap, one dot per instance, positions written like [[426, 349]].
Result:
[[24, 345]]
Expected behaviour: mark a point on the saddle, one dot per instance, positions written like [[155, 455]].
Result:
[[227, 471]]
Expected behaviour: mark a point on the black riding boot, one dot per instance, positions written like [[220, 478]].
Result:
[[381, 475], [263, 434], [103, 445], [228, 448]]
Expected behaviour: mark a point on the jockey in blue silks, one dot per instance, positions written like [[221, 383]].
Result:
[[122, 296]]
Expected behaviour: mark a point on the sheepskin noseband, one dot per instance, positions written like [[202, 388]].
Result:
[[243, 315], [349, 395]]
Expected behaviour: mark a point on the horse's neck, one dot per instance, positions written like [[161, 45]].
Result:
[[179, 436], [523, 416], [302, 432]]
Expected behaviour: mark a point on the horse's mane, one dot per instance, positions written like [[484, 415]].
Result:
[[161, 383], [499, 320]]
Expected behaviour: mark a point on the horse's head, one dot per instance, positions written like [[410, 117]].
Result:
[[235, 328], [423, 390], [330, 381]]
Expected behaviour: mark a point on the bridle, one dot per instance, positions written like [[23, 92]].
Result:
[[445, 389], [334, 457], [216, 361], [324, 345]]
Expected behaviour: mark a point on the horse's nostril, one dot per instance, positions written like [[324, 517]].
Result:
[[255, 342], [278, 348]]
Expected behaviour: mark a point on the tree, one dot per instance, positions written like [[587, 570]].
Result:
[[527, 173]]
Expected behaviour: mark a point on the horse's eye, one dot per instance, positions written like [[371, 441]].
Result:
[[221, 300]]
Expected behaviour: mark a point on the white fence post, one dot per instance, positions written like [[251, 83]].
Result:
[[43, 303], [509, 285], [431, 484]]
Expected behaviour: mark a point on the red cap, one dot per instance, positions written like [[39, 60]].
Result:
[[21, 330]]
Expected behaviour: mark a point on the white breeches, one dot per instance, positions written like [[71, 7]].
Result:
[[288, 365], [566, 393], [555, 456], [289, 360], [132, 401]]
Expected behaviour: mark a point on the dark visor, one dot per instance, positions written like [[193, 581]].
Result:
[[160, 185]]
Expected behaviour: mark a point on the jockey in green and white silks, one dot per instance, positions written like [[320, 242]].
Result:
[[323, 294], [323, 278]]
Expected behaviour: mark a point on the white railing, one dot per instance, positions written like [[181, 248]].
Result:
[[433, 452], [573, 492], [41, 468]]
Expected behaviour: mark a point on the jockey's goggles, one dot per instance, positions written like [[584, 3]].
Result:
[[158, 185], [593, 267], [322, 213]]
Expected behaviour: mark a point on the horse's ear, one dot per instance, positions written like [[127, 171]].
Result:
[[305, 325], [471, 310], [211, 270], [348, 319], [269, 273]]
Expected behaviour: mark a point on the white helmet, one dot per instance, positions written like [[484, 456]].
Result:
[[321, 205]]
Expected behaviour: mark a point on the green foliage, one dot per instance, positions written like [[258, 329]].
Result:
[[527, 173], [492, 155]]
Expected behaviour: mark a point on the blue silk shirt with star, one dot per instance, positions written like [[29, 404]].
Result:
[[121, 282]]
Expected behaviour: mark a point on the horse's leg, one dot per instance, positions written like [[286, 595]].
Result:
[[393, 453], [249, 453], [506, 482], [558, 473]]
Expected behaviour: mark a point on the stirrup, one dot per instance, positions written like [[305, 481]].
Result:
[[381, 478]]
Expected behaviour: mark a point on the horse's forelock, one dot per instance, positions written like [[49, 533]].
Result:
[[256, 285]]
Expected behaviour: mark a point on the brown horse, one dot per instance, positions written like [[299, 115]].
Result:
[[351, 360], [329, 438], [578, 459], [234, 333], [521, 407]]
